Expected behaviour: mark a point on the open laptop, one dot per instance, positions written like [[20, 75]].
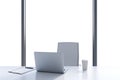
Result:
[[49, 62]]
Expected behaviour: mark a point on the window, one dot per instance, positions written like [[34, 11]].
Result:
[[108, 33], [53, 21], [10, 32]]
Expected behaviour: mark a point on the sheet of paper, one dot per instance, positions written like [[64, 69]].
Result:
[[21, 70]]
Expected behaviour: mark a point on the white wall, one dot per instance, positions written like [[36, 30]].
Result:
[[53, 21]]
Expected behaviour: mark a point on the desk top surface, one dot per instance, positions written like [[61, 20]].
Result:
[[73, 73]]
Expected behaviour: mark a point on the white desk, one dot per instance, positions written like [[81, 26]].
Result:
[[74, 73]]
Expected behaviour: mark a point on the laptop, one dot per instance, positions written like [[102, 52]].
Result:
[[49, 62]]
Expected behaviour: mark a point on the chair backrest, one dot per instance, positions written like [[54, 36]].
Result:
[[70, 51]]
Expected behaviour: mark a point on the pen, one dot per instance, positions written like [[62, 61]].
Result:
[[29, 67]]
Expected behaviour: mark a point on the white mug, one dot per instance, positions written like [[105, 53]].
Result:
[[84, 65]]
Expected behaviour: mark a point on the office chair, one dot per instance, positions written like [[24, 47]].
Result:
[[70, 51]]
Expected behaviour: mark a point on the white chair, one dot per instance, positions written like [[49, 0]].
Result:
[[70, 51]]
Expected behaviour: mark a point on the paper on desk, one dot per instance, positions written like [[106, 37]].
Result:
[[20, 70]]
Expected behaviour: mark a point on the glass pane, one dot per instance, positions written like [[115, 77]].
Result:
[[10, 32], [108, 33], [53, 21]]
